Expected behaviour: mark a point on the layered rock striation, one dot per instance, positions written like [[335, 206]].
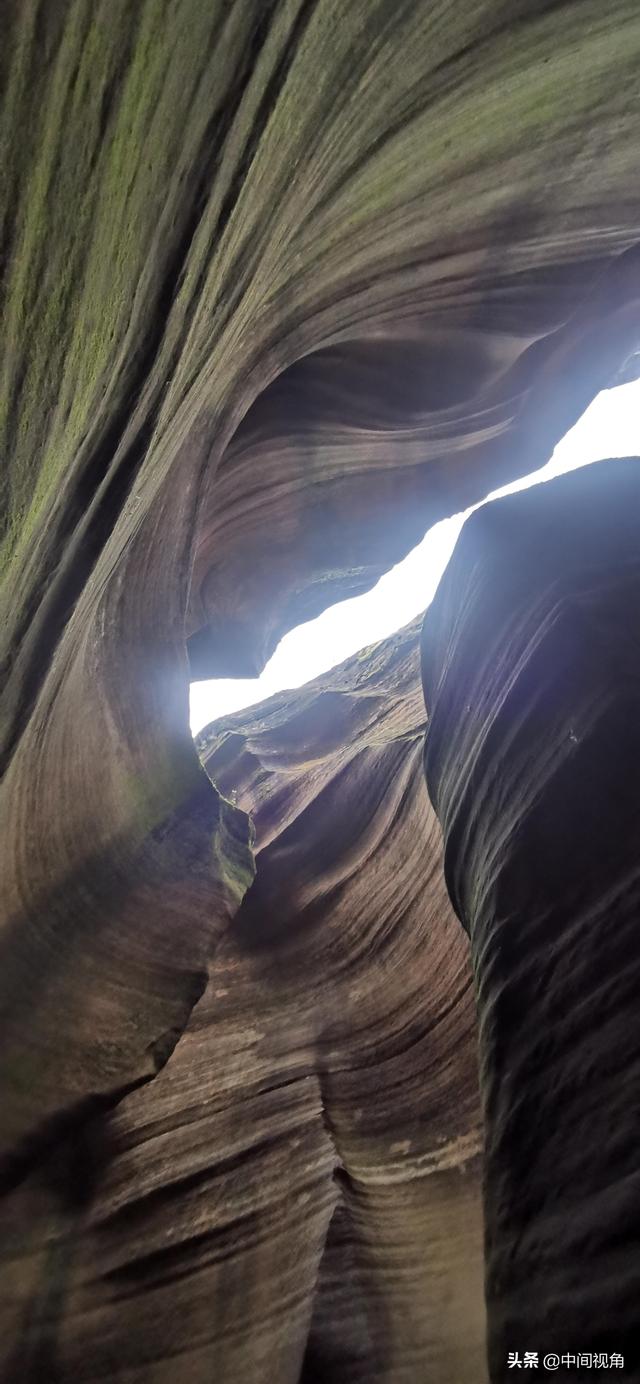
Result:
[[297, 1195], [281, 285]]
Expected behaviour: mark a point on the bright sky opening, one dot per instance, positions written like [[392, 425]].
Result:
[[610, 427]]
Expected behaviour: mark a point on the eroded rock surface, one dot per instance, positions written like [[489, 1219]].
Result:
[[281, 284], [297, 1195], [531, 667]]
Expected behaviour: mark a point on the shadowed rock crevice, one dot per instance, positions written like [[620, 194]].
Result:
[[531, 678]]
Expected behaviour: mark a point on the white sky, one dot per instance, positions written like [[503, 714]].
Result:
[[610, 427]]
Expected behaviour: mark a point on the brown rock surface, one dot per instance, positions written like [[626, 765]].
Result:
[[297, 1194], [532, 679], [282, 283]]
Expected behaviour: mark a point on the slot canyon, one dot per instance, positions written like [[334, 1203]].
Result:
[[319, 1035]]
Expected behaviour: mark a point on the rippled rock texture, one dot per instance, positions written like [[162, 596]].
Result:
[[531, 669], [297, 1195], [282, 283]]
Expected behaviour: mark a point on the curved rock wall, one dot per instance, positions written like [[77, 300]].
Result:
[[531, 672], [296, 1196], [281, 284]]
